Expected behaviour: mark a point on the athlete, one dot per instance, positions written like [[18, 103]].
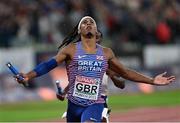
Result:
[[86, 63], [114, 77], [119, 83]]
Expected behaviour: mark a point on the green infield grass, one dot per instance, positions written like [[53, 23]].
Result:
[[42, 111]]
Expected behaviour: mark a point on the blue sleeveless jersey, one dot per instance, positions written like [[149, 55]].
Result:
[[85, 73]]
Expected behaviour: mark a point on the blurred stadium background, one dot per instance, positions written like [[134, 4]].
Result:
[[144, 34]]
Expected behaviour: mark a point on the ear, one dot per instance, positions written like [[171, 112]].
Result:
[[97, 34]]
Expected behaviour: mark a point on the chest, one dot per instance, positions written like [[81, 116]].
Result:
[[89, 60]]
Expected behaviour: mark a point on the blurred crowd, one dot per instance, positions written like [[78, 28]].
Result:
[[26, 22], [127, 26]]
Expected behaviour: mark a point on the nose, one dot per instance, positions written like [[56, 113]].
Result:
[[88, 23]]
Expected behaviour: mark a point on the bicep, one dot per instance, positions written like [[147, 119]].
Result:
[[115, 65], [61, 56], [65, 54]]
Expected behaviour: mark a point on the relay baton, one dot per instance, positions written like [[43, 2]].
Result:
[[59, 89], [15, 72], [60, 93]]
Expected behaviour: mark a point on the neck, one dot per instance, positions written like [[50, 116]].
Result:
[[89, 44]]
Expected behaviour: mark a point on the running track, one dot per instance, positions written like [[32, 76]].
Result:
[[154, 114], [167, 114]]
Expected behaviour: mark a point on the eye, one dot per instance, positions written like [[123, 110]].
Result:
[[92, 21], [85, 21]]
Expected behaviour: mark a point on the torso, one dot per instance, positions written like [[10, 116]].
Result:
[[85, 72]]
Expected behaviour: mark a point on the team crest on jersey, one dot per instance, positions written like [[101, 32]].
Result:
[[99, 57]]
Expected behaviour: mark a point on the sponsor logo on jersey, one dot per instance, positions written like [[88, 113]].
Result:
[[100, 57]]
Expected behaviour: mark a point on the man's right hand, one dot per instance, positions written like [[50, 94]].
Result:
[[61, 97], [22, 78]]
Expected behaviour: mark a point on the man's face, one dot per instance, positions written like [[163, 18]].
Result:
[[88, 26]]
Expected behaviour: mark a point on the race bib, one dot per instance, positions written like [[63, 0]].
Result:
[[86, 87]]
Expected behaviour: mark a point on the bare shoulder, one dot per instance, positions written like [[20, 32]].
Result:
[[108, 52], [70, 48], [66, 52]]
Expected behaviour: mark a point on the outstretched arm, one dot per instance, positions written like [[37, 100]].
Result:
[[47, 66], [132, 75]]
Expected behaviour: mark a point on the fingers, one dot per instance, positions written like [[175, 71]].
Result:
[[60, 97], [19, 78], [171, 78]]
